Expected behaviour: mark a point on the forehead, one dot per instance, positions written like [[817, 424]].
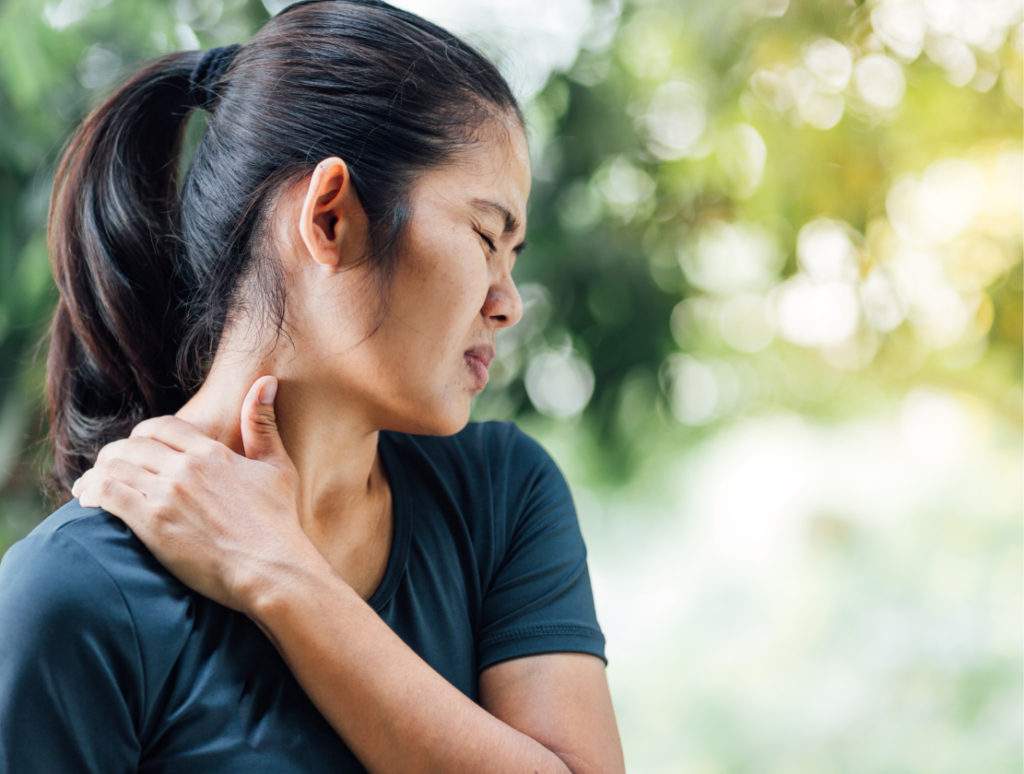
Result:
[[494, 170]]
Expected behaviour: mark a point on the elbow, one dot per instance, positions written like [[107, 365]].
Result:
[[575, 764]]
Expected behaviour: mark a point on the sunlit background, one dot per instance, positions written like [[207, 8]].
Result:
[[772, 335]]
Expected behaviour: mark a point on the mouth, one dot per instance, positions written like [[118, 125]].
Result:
[[478, 368], [482, 352]]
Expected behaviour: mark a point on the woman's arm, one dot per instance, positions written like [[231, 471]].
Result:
[[225, 525], [390, 706]]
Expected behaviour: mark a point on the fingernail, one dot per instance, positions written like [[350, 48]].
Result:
[[268, 392]]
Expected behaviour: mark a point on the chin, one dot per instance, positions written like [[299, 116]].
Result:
[[450, 424], [447, 419]]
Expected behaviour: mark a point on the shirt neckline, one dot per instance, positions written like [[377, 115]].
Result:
[[401, 527]]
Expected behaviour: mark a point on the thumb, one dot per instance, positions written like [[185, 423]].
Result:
[[260, 438]]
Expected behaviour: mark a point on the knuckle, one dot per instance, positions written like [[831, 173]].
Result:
[[160, 517], [141, 429], [106, 487], [162, 505], [185, 467], [214, 452], [110, 452], [177, 487], [118, 466], [180, 466], [264, 418], [150, 427], [163, 493]]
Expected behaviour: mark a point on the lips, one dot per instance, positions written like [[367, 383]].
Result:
[[484, 353], [477, 369]]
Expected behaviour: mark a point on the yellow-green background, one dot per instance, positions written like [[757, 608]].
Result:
[[772, 336]]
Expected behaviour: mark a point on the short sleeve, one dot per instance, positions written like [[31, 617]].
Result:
[[539, 599], [70, 672]]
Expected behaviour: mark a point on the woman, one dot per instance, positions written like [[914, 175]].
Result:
[[348, 574]]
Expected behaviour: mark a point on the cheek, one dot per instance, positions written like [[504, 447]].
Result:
[[454, 295], [435, 321], [440, 291]]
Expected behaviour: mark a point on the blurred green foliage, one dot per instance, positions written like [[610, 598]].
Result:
[[738, 208], [695, 135]]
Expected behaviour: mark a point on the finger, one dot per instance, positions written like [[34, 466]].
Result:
[[123, 471], [121, 500], [112, 495], [148, 453], [176, 433], [260, 437]]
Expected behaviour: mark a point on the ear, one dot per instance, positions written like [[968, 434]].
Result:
[[332, 222]]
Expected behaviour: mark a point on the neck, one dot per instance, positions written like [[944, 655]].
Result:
[[334, 449]]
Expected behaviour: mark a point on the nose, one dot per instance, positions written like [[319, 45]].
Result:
[[504, 305]]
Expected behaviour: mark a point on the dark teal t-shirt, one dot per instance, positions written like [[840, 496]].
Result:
[[109, 664]]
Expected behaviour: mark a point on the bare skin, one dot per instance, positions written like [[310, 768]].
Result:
[[338, 390]]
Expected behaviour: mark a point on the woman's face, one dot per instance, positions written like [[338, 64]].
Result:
[[451, 291]]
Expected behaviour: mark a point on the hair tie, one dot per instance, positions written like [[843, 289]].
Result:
[[207, 72]]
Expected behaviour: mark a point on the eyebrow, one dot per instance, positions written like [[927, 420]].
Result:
[[512, 223]]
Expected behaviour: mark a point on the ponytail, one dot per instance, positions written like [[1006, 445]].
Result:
[[112, 226]]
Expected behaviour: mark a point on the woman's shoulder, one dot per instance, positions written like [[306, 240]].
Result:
[[83, 569], [74, 524], [75, 541], [88, 627]]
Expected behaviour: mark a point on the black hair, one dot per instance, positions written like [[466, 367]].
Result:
[[149, 273]]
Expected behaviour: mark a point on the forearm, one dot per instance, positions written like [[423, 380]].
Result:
[[392, 709]]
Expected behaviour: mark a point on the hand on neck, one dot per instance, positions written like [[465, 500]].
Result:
[[334, 449]]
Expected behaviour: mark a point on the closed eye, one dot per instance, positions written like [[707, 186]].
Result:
[[487, 239]]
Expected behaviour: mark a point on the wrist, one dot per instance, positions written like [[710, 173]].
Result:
[[287, 580]]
